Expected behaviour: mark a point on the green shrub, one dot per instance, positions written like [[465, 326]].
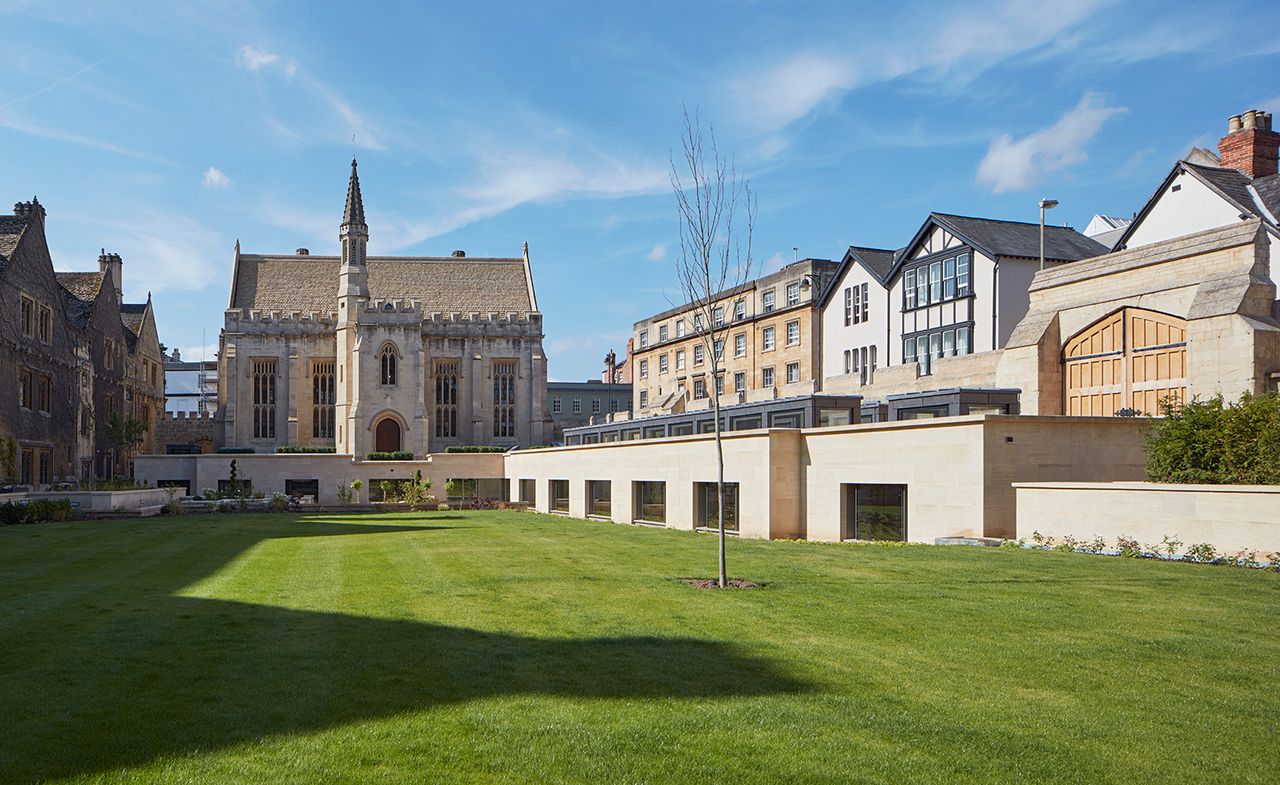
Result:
[[36, 511], [235, 450], [293, 449], [1213, 443], [389, 456], [474, 448]]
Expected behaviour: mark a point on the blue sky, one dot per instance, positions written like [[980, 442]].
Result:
[[165, 132]]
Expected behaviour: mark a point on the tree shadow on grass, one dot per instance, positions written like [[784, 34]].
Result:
[[129, 672]]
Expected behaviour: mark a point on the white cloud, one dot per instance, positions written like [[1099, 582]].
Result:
[[15, 123], [161, 251], [773, 264], [251, 58], [657, 253], [214, 178], [789, 90], [1017, 164]]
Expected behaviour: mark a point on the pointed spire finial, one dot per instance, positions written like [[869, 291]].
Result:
[[354, 214]]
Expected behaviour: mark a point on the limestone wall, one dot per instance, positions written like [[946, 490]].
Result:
[[1229, 517]]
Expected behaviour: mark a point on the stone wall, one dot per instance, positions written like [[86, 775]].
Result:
[[193, 429], [1229, 517]]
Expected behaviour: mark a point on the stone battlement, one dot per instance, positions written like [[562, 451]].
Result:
[[188, 416]]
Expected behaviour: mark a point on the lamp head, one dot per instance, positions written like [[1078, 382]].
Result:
[[1048, 204]]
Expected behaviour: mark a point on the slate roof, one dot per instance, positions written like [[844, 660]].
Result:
[[446, 284], [80, 290], [879, 261], [11, 229], [133, 315], [1268, 189], [1018, 238], [1230, 183]]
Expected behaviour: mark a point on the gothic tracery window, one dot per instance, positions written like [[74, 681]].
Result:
[[264, 399], [446, 389], [504, 398], [389, 365], [322, 399]]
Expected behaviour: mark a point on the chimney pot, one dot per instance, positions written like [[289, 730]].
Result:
[[1250, 145], [460, 254], [1233, 123], [1250, 119], [303, 252]]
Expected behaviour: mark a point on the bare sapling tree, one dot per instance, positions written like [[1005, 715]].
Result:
[[717, 213]]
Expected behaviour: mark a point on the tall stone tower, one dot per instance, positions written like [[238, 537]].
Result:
[[353, 297]]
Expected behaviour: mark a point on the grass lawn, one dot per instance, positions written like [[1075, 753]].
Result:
[[493, 647]]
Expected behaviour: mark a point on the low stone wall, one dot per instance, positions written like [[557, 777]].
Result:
[[1229, 517], [107, 501], [269, 472]]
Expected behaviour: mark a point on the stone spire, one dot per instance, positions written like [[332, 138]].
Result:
[[354, 234], [354, 215]]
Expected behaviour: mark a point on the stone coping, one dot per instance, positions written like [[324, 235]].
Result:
[[1148, 486]]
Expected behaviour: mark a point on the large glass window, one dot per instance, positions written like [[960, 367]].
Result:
[[599, 498], [446, 389], [504, 398], [322, 399], [264, 399], [650, 502], [875, 512], [529, 491], [707, 501], [389, 365], [559, 495]]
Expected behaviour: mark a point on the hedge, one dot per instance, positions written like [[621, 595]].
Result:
[[36, 511], [474, 448], [292, 449], [1214, 443], [389, 456]]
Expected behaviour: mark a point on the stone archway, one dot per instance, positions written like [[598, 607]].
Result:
[[386, 435], [1130, 359]]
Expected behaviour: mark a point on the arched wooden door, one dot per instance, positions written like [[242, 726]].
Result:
[[1130, 359], [386, 435]]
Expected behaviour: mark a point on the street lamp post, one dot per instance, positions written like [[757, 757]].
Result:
[[1045, 204]]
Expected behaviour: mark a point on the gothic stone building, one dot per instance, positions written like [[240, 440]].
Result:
[[72, 355], [380, 354]]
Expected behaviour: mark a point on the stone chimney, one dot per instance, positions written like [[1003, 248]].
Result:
[[176, 356], [111, 264], [459, 254], [304, 252], [1250, 145], [29, 209]]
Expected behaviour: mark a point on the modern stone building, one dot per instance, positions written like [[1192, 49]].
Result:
[[768, 341], [380, 353], [74, 356]]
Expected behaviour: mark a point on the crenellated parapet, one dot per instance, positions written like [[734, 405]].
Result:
[[280, 322]]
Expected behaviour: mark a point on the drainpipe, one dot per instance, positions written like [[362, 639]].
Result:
[[995, 302]]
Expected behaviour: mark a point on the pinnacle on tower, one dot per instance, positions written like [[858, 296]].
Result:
[[354, 214]]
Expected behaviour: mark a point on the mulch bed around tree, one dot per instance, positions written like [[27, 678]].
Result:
[[713, 583]]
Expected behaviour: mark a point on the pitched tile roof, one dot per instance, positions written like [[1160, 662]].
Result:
[[1230, 183], [133, 315], [1268, 190], [11, 229], [80, 290], [442, 284], [1017, 238], [878, 260]]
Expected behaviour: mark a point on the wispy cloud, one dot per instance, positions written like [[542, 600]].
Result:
[[55, 84], [155, 244], [214, 178], [1271, 105], [1017, 164], [657, 253], [789, 90], [21, 125], [358, 129]]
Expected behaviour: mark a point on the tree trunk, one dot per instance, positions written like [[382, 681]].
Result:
[[719, 479]]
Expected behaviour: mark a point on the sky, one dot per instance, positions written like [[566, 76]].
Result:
[[167, 131]]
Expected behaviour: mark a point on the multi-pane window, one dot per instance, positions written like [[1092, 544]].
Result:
[[793, 333], [595, 405], [680, 359], [644, 398], [662, 363], [389, 365], [644, 369], [697, 322], [46, 324], [719, 349], [644, 338], [28, 317], [848, 306], [577, 405], [937, 281], [680, 328], [264, 398], [700, 388], [739, 310], [768, 300], [717, 316], [662, 333], [740, 382], [793, 373], [322, 399], [793, 294], [26, 389], [927, 347], [866, 304], [719, 384], [766, 377], [739, 346], [504, 398], [699, 354], [556, 406], [848, 361], [767, 339], [446, 388]]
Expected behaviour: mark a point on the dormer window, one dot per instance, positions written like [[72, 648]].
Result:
[[389, 365]]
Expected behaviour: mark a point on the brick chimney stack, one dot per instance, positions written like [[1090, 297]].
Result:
[[1250, 145]]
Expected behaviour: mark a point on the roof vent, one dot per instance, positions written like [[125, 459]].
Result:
[[303, 252], [460, 254]]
